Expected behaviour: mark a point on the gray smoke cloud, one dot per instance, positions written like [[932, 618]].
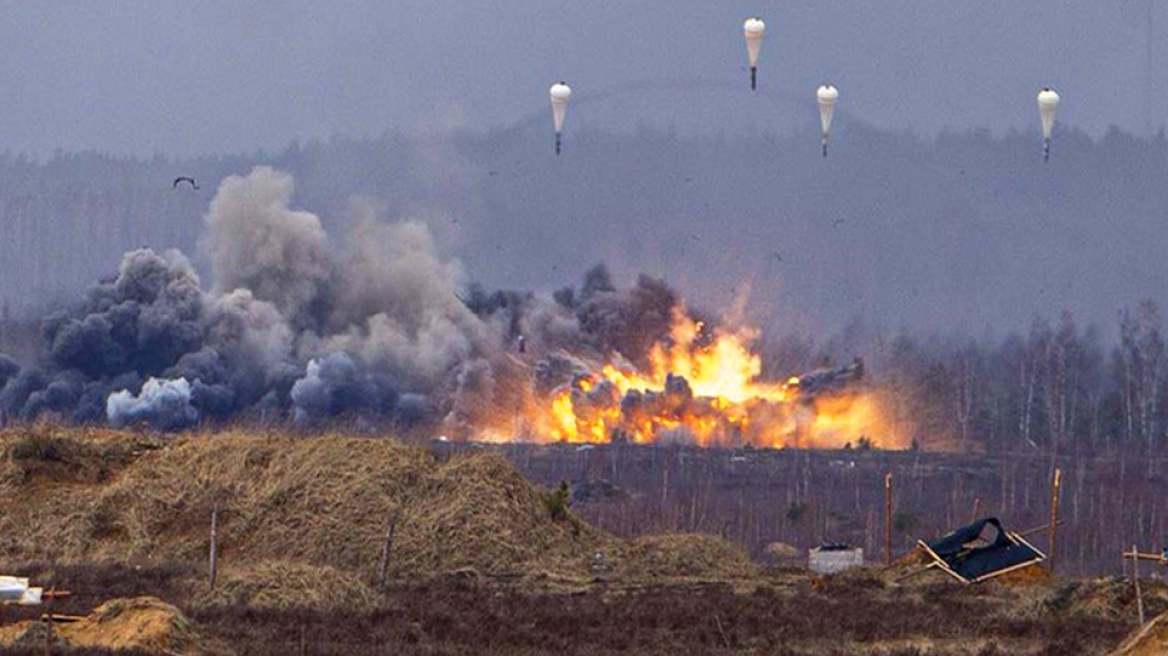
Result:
[[255, 241], [399, 306], [380, 329], [336, 386], [162, 403]]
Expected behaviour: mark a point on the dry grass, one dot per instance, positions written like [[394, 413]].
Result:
[[104, 496], [1109, 598], [1151, 639], [303, 520], [684, 556], [143, 623], [291, 586]]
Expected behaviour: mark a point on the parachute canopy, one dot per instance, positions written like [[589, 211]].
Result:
[[560, 94], [1048, 100], [1048, 104], [826, 96]]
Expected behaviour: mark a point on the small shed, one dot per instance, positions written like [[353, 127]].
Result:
[[832, 558]]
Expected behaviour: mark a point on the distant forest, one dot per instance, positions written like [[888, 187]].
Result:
[[1012, 305]]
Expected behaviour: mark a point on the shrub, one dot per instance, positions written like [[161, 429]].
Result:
[[558, 501]]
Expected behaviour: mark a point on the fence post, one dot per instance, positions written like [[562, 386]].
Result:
[[1136, 577], [1055, 494], [214, 544], [49, 622], [888, 519], [386, 546]]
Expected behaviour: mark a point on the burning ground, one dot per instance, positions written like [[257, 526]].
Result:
[[382, 332]]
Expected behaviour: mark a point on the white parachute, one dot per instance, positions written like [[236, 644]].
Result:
[[753, 29], [826, 96], [1048, 101], [560, 94]]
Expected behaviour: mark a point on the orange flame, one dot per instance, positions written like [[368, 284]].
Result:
[[726, 403]]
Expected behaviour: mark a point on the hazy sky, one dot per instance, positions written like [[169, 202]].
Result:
[[200, 77]]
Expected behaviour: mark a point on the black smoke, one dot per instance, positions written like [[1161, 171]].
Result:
[[295, 328]]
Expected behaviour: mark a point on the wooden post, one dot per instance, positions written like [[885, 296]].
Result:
[[386, 546], [1136, 578], [721, 631], [888, 519], [1055, 493], [214, 544], [976, 509], [303, 642], [49, 623]]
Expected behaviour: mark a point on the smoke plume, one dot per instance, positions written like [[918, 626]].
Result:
[[162, 403], [294, 327]]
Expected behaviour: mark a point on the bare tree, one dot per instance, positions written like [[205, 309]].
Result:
[[1142, 355], [968, 375]]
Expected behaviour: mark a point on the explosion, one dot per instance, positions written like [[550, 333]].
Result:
[[379, 332], [703, 387]]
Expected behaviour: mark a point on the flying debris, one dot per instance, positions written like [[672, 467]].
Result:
[[826, 95], [560, 94], [1048, 101], [824, 382], [753, 29], [174, 185]]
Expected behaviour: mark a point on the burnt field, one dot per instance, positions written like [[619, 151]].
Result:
[[758, 496]]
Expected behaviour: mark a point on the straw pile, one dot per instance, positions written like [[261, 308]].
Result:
[[1110, 598], [303, 520], [1024, 577], [143, 623], [52, 455], [1151, 639], [291, 586], [684, 556], [325, 501]]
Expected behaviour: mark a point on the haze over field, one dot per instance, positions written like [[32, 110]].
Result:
[[141, 78], [965, 233], [891, 229], [933, 215]]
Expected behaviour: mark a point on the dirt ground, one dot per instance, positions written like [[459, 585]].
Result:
[[777, 612], [478, 565]]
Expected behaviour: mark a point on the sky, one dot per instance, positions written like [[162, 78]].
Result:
[[160, 77], [932, 234]]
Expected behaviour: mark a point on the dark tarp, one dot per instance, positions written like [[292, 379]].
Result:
[[971, 561]]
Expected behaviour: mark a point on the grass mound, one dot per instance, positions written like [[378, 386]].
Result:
[[322, 501], [1025, 577], [1110, 598], [143, 623], [685, 555], [56, 455], [291, 586], [316, 502], [1151, 639]]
